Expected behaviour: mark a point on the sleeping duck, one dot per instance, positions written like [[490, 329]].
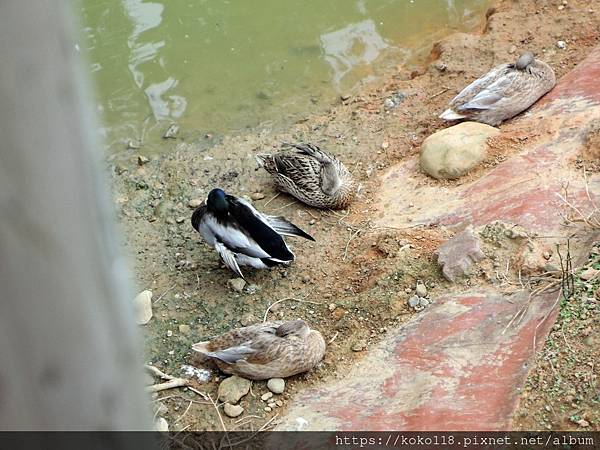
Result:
[[503, 92], [241, 235], [312, 175], [267, 350]]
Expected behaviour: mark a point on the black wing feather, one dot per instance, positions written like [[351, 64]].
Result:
[[267, 238]]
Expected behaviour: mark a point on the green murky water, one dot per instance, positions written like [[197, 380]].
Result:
[[222, 66]]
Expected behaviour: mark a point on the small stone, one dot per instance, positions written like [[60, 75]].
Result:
[[169, 333], [180, 219], [195, 202], [388, 103], [279, 403], [589, 274], [252, 288], [452, 152], [271, 404], [268, 409], [561, 45], [385, 145], [512, 49], [414, 301], [560, 8], [331, 307], [233, 388], [359, 346], [257, 196], [236, 284], [161, 424], [457, 255], [276, 385], [171, 131], [424, 302], [143, 307], [345, 97], [583, 423], [232, 410], [266, 396], [421, 290], [141, 160]]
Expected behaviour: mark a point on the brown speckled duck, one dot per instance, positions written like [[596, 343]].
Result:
[[267, 350], [503, 92], [312, 175]]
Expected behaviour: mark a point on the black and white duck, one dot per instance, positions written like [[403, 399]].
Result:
[[242, 235], [503, 92]]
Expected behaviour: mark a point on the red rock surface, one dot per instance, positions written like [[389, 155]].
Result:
[[459, 365]]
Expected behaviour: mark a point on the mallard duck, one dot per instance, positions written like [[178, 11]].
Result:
[[243, 236], [503, 92], [312, 175], [268, 350]]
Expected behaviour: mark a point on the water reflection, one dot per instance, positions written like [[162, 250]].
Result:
[[223, 66], [356, 43], [145, 16]]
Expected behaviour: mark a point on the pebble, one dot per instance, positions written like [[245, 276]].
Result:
[[143, 307], [195, 202], [359, 346], [279, 403], [345, 97], [266, 396], [184, 329], [236, 284], [233, 388], [276, 385], [414, 301], [588, 274], [561, 44], [331, 307], [180, 219], [257, 196], [513, 48], [268, 409], [161, 425], [171, 131], [232, 410], [271, 404], [141, 160], [424, 302], [421, 290], [169, 333], [385, 145], [583, 423]]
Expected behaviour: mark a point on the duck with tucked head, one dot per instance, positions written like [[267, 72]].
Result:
[[242, 235], [503, 92], [312, 175], [267, 350]]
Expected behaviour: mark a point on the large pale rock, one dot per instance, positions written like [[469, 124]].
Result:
[[454, 151], [233, 388], [143, 307]]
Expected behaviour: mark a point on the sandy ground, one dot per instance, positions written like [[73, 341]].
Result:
[[353, 282]]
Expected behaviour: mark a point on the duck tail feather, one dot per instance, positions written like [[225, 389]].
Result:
[[285, 227], [450, 114], [200, 347]]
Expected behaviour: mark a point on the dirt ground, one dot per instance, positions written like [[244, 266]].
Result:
[[354, 282]]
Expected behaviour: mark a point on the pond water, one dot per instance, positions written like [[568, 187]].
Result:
[[223, 66]]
